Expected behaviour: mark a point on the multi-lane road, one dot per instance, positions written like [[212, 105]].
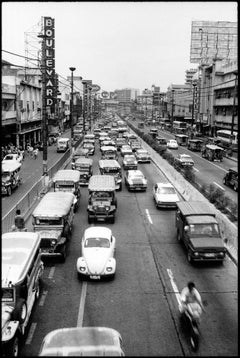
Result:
[[141, 302]]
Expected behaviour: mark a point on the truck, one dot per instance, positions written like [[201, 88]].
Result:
[[199, 231]]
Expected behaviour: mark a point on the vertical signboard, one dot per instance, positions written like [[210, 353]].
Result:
[[49, 56]]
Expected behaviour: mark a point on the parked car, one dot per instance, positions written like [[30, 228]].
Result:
[[142, 156], [82, 341], [165, 195], [97, 254], [135, 180], [126, 149], [184, 160], [172, 144], [13, 156], [129, 162]]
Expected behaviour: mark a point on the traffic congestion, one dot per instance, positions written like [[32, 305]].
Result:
[[113, 259]]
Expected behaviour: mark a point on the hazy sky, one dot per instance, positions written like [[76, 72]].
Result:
[[115, 44]]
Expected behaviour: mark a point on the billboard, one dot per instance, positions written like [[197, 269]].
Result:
[[213, 39]]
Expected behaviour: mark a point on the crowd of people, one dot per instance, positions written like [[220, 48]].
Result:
[[31, 151]]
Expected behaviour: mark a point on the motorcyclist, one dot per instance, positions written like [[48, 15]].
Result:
[[191, 297]]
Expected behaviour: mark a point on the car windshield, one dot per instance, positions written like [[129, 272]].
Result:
[[101, 195], [97, 242], [166, 190], [9, 157], [204, 229], [136, 176], [6, 176]]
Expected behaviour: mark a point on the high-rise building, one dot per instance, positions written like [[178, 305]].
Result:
[[126, 95]]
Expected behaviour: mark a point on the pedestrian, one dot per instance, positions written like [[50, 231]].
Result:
[[19, 220], [35, 153], [30, 149]]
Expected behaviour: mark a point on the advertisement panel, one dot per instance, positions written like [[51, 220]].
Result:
[[49, 61]]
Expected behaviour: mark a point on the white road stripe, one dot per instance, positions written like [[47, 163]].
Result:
[[196, 170], [31, 333], [174, 286], [148, 216], [219, 185], [51, 273], [43, 298], [82, 304]]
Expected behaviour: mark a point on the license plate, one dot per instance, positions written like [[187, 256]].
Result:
[[94, 277], [209, 255]]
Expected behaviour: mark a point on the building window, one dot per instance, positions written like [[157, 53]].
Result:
[[28, 109], [33, 105]]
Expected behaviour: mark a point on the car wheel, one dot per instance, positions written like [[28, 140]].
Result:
[[178, 236], [89, 220], [37, 292], [189, 258], [20, 311], [120, 187]]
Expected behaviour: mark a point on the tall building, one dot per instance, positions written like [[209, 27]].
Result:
[[126, 95], [189, 75]]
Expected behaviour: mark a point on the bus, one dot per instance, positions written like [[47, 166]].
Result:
[[179, 127], [224, 136]]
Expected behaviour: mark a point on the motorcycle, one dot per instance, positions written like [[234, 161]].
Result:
[[191, 319]]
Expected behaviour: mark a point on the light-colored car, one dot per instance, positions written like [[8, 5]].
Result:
[[90, 147], [172, 144], [184, 160], [130, 162], [165, 195], [82, 341], [135, 146], [135, 180], [13, 156], [98, 250], [143, 156], [126, 149]]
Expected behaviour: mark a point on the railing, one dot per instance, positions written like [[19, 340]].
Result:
[[26, 203]]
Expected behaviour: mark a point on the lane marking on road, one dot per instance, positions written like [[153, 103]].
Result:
[[219, 185], [196, 170], [43, 298], [148, 216], [82, 304], [31, 333], [174, 286], [51, 273]]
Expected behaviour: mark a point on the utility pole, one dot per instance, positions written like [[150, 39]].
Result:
[[84, 104], [18, 114], [71, 108], [234, 105], [194, 85], [172, 105]]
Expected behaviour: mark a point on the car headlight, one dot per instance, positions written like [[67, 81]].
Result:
[[109, 269], [221, 253], [82, 268], [196, 253], [107, 208], [53, 242], [94, 207]]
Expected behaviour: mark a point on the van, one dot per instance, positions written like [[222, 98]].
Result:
[[112, 167], [102, 202], [82, 341], [63, 144], [68, 180], [22, 269], [198, 230], [10, 176], [53, 218]]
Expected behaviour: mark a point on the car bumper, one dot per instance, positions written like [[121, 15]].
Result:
[[137, 188], [166, 205]]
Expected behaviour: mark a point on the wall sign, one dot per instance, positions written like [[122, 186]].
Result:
[[49, 56]]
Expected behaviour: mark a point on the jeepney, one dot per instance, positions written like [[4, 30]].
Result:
[[213, 152], [63, 144], [195, 145], [22, 269], [84, 166], [53, 218], [109, 152], [153, 132], [77, 133], [231, 178], [10, 176], [79, 153], [162, 142], [112, 167], [198, 229], [102, 203], [68, 180], [182, 139]]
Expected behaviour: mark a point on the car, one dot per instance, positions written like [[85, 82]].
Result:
[[98, 250], [231, 178], [135, 146], [126, 149], [143, 156], [129, 162], [135, 180], [82, 341], [184, 160], [172, 144], [165, 195], [90, 147], [13, 156]]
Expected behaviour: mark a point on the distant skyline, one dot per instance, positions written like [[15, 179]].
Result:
[[115, 44]]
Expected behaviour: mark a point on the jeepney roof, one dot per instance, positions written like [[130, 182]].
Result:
[[83, 160], [17, 248], [82, 341], [61, 139], [206, 219], [181, 135], [109, 163], [108, 147], [197, 208], [80, 151], [213, 147], [89, 136], [101, 183], [10, 165], [67, 175], [54, 204]]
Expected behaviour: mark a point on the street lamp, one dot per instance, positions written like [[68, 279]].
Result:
[[71, 107]]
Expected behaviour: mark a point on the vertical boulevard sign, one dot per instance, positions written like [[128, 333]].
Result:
[[49, 68]]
